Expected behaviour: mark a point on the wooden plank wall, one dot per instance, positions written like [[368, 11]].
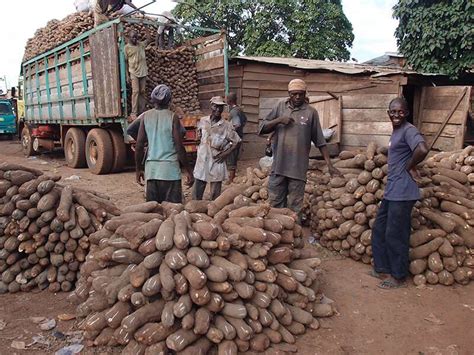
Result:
[[210, 68], [434, 106], [364, 99]]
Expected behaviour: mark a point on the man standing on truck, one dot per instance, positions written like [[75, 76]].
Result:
[[238, 119], [138, 70], [218, 141], [392, 228], [104, 9], [296, 125], [160, 127], [168, 19]]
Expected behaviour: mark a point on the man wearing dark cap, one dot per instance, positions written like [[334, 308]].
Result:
[[218, 140], [296, 125], [160, 127]]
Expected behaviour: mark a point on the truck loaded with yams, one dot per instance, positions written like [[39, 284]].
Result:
[[77, 97]]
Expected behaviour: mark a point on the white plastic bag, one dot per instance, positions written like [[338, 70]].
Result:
[[82, 5], [125, 10], [265, 163]]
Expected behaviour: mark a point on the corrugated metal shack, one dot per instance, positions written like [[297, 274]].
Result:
[[352, 99]]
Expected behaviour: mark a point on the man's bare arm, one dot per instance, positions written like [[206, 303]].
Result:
[[325, 153], [178, 142], [270, 126], [140, 146], [140, 151], [420, 153]]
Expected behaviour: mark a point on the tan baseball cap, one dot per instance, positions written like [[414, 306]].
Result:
[[297, 85], [217, 100]]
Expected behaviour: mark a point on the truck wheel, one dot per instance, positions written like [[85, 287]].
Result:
[[75, 148], [120, 151], [27, 142], [99, 151]]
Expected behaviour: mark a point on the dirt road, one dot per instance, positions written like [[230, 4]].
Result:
[[432, 320]]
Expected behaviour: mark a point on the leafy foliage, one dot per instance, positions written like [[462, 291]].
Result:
[[315, 29], [436, 36]]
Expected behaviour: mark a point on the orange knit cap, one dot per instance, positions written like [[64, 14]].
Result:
[[297, 85]]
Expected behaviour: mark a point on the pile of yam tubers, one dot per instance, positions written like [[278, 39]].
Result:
[[57, 32], [229, 275], [256, 179], [44, 229], [175, 68], [442, 240]]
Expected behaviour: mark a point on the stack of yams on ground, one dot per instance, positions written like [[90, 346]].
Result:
[[44, 229], [228, 274], [256, 179], [442, 242]]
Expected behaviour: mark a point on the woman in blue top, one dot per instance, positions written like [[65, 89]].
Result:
[[392, 228]]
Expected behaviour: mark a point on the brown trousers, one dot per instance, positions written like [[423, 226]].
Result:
[[138, 94]]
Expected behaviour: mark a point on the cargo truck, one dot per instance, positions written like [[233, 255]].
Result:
[[76, 94]]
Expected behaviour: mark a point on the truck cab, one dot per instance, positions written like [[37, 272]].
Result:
[[7, 117]]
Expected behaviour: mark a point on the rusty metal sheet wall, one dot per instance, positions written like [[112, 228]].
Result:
[[105, 73]]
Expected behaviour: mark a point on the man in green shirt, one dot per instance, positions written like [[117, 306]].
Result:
[[161, 129], [136, 59]]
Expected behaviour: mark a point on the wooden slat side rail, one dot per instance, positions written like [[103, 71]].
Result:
[[200, 40], [211, 48], [209, 64], [105, 71]]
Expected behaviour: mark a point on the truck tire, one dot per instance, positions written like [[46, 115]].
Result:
[[75, 148], [120, 151], [99, 151], [27, 142]]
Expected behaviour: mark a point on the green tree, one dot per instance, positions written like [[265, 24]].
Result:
[[436, 36], [315, 29]]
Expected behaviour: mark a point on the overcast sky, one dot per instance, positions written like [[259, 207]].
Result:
[[19, 19]]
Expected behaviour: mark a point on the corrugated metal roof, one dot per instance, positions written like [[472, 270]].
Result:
[[340, 67]]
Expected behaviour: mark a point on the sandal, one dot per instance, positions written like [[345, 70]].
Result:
[[390, 284], [378, 275]]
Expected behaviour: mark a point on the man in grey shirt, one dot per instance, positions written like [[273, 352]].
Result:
[[296, 125], [392, 228]]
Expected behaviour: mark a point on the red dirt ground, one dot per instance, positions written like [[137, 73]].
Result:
[[433, 320]]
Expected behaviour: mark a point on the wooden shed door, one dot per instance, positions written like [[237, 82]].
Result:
[[442, 116], [329, 111], [105, 73]]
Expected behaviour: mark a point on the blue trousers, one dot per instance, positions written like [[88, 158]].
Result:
[[391, 238]]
